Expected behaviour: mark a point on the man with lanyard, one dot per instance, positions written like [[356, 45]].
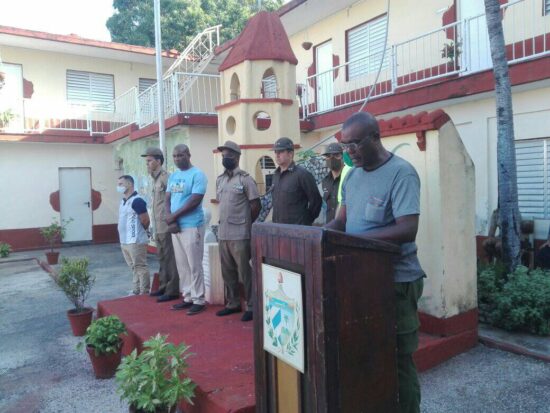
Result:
[[239, 200], [381, 200], [168, 272], [296, 199], [133, 221], [186, 189], [331, 182]]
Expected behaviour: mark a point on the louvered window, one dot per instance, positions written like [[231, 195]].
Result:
[[365, 47], [90, 88], [145, 83], [269, 86], [546, 7], [533, 173]]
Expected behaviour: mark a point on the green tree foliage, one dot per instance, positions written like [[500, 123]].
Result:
[[181, 20]]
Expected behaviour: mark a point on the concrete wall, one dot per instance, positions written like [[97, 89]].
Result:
[[29, 174]]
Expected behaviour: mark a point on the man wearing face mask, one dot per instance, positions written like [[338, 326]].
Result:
[[133, 221], [331, 183], [239, 200]]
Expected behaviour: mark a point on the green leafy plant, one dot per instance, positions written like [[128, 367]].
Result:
[[451, 51], [6, 117], [5, 249], [519, 301], [55, 232], [104, 335], [155, 379], [75, 280]]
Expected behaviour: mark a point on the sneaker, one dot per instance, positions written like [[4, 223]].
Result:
[[183, 305], [165, 297], [196, 308], [132, 292], [157, 293], [247, 316], [227, 311]]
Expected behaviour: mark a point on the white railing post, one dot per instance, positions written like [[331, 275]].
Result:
[[137, 110], [88, 119], [176, 93], [393, 67]]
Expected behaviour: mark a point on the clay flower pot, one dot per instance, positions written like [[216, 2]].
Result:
[[52, 257], [133, 409], [104, 365], [80, 321]]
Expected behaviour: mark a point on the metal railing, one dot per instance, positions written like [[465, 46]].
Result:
[[458, 48]]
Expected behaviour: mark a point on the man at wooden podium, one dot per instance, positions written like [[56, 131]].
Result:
[[385, 204]]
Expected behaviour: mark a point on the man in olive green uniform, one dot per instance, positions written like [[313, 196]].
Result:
[[239, 199], [168, 272]]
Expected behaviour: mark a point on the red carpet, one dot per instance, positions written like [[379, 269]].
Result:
[[223, 364]]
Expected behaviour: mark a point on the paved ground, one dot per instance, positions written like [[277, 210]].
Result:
[[40, 370]]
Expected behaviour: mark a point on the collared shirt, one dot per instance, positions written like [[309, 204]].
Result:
[[331, 186], [158, 197], [234, 191], [296, 199]]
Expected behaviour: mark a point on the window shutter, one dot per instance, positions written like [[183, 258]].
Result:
[[86, 87], [546, 7], [145, 83], [532, 175], [269, 84], [365, 47]]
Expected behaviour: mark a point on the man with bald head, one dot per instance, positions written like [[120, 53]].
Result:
[[381, 200], [184, 194]]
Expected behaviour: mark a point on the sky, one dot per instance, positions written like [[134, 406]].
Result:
[[86, 18]]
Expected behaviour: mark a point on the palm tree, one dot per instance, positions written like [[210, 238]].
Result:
[[506, 154]]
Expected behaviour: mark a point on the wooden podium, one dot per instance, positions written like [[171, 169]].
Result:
[[348, 331]]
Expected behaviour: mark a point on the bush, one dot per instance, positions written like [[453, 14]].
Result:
[[75, 281], [518, 301], [5, 249], [104, 335], [154, 380]]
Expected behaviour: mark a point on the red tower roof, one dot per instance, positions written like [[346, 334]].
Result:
[[263, 38]]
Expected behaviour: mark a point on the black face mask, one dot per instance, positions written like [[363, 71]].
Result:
[[334, 164], [229, 163]]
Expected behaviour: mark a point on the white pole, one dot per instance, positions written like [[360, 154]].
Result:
[[160, 85]]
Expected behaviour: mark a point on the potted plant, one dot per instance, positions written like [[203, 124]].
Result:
[[53, 234], [104, 345], [154, 381], [5, 249], [76, 282]]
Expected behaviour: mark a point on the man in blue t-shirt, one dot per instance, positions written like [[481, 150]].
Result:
[[381, 200], [186, 189]]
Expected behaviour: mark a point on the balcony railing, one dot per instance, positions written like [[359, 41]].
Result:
[[455, 49], [188, 93]]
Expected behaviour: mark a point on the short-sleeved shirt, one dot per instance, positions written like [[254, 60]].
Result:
[[374, 199], [158, 197], [234, 193], [130, 228], [296, 199], [181, 185]]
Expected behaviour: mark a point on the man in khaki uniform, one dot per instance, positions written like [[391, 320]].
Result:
[[239, 199], [168, 272]]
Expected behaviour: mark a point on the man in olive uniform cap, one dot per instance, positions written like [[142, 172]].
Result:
[[168, 272], [331, 182], [239, 202]]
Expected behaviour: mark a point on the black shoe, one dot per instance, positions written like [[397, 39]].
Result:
[[183, 305], [227, 311], [196, 308], [247, 316], [166, 297], [157, 293]]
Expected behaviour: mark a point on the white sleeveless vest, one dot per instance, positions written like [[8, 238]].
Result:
[[130, 229]]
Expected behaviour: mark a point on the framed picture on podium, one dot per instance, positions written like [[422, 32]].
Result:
[[283, 315]]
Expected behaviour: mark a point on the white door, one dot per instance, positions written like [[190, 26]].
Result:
[[324, 82], [75, 193], [11, 98], [478, 54]]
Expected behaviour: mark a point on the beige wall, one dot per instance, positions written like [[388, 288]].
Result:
[[29, 174], [48, 71]]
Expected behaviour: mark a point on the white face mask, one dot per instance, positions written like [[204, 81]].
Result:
[[120, 189]]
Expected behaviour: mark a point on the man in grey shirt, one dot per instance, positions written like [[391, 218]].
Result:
[[381, 200]]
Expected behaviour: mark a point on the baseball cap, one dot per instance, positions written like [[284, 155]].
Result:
[[283, 144], [334, 147], [231, 146], [153, 151]]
